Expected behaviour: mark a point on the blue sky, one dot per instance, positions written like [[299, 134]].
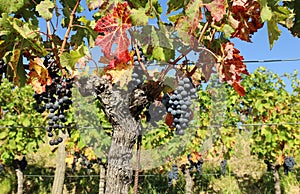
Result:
[[287, 47]]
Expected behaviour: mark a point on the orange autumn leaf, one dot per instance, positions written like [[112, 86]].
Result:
[[39, 76]]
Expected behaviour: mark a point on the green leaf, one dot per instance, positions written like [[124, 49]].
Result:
[[273, 31], [266, 13], [11, 6], [44, 8], [228, 30], [163, 54], [139, 17], [81, 144], [26, 122], [3, 134]]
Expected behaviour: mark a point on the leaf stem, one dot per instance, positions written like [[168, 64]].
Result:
[[69, 28]]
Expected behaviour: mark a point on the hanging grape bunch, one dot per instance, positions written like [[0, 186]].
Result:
[[84, 162], [56, 100], [179, 104], [137, 74], [173, 174], [288, 165]]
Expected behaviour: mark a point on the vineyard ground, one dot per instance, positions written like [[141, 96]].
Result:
[[245, 174]]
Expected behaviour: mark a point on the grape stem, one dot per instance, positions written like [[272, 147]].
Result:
[[54, 48], [140, 61]]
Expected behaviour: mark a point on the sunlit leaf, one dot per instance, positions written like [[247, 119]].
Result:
[[44, 8]]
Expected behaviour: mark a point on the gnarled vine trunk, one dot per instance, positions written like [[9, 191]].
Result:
[[276, 180], [20, 178], [115, 104], [122, 110]]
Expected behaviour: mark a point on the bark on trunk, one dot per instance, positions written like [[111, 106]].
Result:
[[115, 104], [20, 178], [188, 183], [276, 180], [122, 110], [59, 177], [102, 179]]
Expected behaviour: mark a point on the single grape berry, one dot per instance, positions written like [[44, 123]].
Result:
[[51, 142], [50, 134], [60, 139]]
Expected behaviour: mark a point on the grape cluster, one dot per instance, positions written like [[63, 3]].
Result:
[[1, 167], [288, 165], [84, 162], [137, 74], [223, 166], [3, 67], [172, 174], [20, 164], [198, 165], [179, 104], [56, 100]]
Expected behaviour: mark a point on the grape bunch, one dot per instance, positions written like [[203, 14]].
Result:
[[179, 104], [288, 165], [223, 166], [172, 174], [88, 164], [198, 165], [3, 67], [137, 74], [56, 100], [20, 164]]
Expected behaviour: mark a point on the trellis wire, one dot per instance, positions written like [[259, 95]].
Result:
[[245, 125], [147, 175]]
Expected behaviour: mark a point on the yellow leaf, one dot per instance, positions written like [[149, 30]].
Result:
[[120, 76], [69, 160], [89, 153]]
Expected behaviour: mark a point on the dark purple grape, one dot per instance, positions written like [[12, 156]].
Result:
[[50, 134], [51, 142], [60, 139]]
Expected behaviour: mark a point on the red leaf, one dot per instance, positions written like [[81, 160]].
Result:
[[217, 9], [112, 29], [232, 67], [247, 14], [239, 6], [239, 89], [169, 120]]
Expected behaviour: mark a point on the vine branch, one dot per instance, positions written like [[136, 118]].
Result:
[[171, 65], [69, 28]]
